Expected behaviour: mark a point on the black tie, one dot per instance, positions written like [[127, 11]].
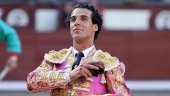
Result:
[[78, 55]]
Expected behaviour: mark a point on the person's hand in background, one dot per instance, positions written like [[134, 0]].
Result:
[[12, 63]]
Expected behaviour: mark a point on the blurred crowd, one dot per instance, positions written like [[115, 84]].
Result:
[[84, 1]]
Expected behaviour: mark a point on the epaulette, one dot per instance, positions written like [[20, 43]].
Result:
[[57, 57], [109, 61]]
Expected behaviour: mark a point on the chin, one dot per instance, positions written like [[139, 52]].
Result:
[[78, 39]]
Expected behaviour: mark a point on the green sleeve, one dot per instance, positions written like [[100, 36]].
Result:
[[10, 37]]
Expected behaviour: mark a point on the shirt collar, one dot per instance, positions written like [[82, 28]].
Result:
[[85, 52]]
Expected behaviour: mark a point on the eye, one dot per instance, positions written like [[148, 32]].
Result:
[[84, 19], [72, 19]]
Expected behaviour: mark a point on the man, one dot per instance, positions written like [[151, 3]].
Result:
[[59, 74], [10, 37]]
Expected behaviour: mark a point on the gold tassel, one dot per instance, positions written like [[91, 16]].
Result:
[[103, 79]]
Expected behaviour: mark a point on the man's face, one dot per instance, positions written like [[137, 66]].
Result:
[[81, 26]]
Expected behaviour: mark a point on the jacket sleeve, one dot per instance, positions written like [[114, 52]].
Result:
[[108, 95], [10, 37], [115, 82], [46, 77]]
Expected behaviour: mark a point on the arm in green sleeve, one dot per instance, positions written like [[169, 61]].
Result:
[[10, 37]]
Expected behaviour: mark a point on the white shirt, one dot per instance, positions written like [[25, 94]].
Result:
[[85, 52]]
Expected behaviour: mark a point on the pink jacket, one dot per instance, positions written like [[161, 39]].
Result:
[[53, 71]]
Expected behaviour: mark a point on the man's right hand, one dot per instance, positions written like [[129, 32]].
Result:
[[83, 70]]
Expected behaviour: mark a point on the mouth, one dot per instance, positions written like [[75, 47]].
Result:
[[77, 30]]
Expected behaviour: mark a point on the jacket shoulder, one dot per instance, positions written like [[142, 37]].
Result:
[[109, 61], [57, 57]]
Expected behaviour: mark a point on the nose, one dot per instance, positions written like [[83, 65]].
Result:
[[77, 22]]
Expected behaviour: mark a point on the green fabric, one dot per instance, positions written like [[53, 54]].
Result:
[[10, 37]]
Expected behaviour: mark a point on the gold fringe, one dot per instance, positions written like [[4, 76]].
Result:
[[103, 79]]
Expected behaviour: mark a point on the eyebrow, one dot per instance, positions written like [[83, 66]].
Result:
[[80, 16]]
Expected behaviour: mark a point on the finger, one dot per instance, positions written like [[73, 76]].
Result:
[[94, 63], [89, 66], [100, 64], [91, 63], [85, 72]]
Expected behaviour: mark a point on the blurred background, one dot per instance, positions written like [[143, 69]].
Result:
[[135, 31]]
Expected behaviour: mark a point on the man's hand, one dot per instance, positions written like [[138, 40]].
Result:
[[12, 62], [100, 71], [85, 70]]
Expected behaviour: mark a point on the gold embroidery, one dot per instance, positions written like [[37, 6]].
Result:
[[53, 75], [109, 61], [103, 79], [38, 78], [63, 52], [77, 93], [82, 84], [70, 60], [84, 94], [61, 75], [54, 55], [74, 93], [58, 92], [57, 57]]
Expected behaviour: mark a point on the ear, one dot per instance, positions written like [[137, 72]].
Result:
[[95, 27]]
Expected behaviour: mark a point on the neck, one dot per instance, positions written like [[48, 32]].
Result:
[[80, 46]]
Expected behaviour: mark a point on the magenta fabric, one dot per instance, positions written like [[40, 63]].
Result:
[[97, 87]]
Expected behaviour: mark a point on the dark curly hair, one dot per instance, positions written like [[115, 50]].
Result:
[[96, 17]]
